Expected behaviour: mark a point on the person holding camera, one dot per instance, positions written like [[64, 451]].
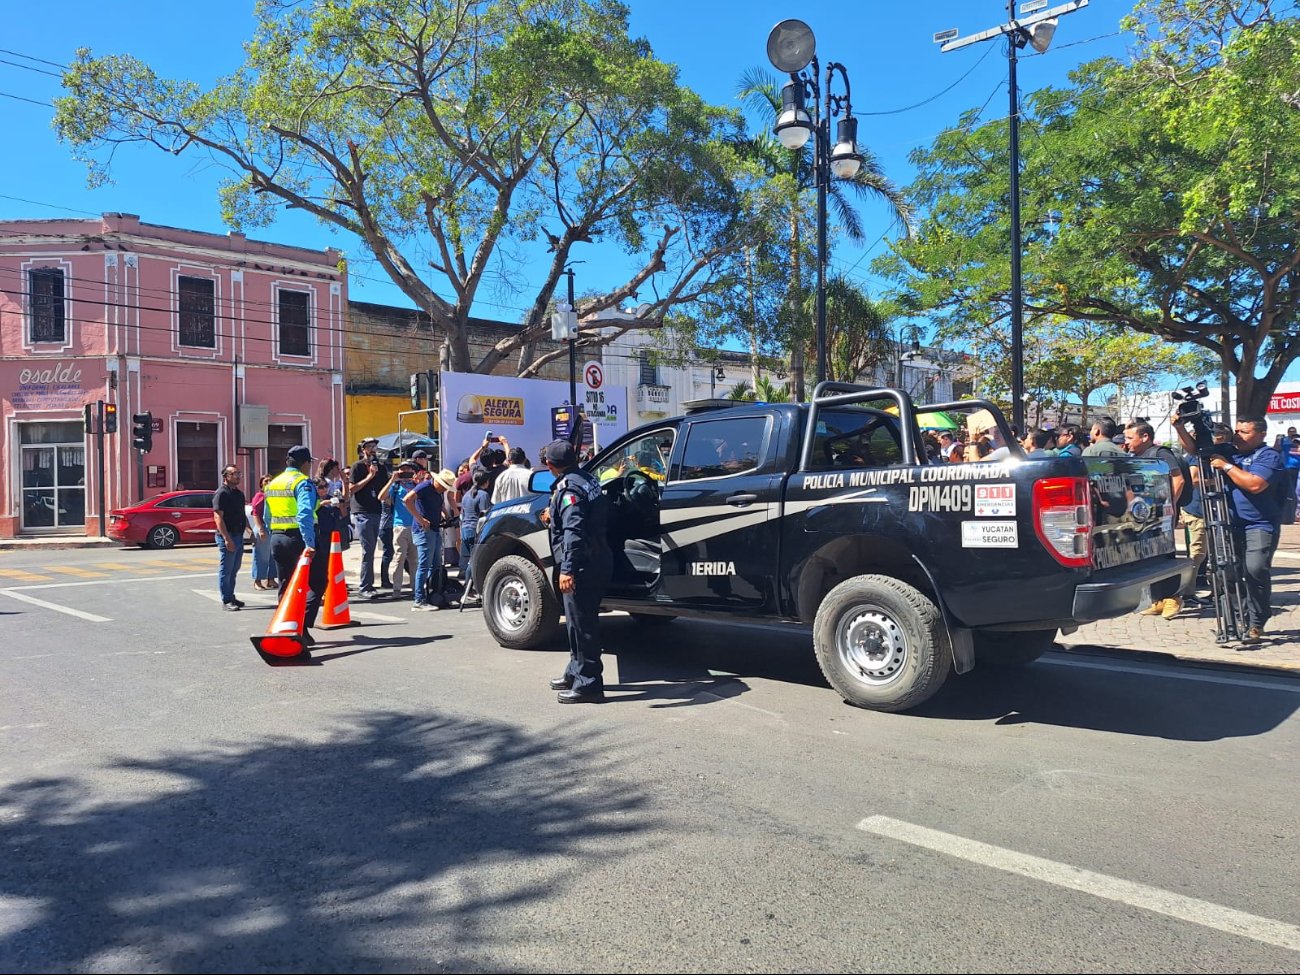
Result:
[[424, 502], [368, 476], [1252, 478], [399, 485]]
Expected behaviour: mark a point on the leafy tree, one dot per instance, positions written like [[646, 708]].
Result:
[[1160, 196], [449, 135]]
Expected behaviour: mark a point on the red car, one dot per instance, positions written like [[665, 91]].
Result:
[[169, 519]]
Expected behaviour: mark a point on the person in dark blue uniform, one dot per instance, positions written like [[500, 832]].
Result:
[[577, 518]]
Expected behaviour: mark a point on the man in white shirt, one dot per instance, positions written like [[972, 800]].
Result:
[[513, 481]]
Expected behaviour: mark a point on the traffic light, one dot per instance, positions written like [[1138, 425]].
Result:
[[110, 418], [415, 390], [142, 431], [90, 418]]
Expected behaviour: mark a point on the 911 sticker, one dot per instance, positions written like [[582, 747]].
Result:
[[995, 500], [989, 534]]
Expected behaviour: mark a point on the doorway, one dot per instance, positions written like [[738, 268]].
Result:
[[53, 466], [196, 456]]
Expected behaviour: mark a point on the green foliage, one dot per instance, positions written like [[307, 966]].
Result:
[[446, 133], [1160, 196]]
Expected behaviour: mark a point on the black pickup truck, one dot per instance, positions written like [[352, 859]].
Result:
[[828, 514]]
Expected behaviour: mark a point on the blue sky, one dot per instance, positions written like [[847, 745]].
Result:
[[887, 48]]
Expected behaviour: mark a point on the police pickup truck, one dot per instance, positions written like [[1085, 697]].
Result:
[[828, 514]]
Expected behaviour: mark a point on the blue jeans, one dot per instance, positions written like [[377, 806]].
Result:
[[466, 552], [368, 532], [263, 564], [228, 566], [428, 550]]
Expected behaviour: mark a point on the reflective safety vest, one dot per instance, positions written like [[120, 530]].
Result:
[[282, 499]]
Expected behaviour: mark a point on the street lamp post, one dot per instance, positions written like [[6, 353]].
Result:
[[1036, 27], [792, 48]]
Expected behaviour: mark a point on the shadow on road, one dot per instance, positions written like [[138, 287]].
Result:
[[1053, 691], [404, 842]]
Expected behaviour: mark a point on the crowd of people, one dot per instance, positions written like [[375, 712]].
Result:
[[1262, 483]]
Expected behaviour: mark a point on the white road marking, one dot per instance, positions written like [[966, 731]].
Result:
[[1154, 899], [356, 614], [54, 606], [106, 582], [1290, 686]]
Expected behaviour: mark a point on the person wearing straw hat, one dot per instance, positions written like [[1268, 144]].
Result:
[[424, 502]]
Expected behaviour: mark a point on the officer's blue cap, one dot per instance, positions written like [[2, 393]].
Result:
[[560, 453], [299, 454]]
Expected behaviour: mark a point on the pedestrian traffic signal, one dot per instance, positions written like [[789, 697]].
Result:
[[142, 431], [110, 418]]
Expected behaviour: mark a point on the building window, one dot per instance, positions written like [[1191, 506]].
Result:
[[45, 286], [198, 320], [963, 389], [649, 371], [295, 323]]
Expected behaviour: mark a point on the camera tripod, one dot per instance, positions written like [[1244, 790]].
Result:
[[1224, 564]]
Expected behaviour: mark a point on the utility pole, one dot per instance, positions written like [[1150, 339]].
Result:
[[1036, 27]]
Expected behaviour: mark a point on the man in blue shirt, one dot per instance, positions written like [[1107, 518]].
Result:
[[424, 503], [1254, 476]]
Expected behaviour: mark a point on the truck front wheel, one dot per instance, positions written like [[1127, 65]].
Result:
[[519, 605], [881, 643], [1011, 649]]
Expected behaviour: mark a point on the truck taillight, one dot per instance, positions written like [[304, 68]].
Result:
[[1063, 519]]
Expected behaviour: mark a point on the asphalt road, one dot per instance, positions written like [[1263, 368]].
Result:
[[418, 802]]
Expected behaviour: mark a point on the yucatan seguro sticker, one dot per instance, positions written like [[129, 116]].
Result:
[[989, 534], [995, 500]]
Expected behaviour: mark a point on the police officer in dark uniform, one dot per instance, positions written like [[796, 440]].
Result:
[[577, 518]]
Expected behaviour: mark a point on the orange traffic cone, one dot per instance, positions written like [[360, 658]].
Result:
[[335, 614], [283, 641]]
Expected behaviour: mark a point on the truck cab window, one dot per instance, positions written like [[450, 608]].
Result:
[[721, 448], [856, 438]]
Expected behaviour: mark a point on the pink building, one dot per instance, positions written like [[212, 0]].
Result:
[[234, 346]]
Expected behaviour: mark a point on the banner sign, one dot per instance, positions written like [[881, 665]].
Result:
[[523, 411], [1284, 403]]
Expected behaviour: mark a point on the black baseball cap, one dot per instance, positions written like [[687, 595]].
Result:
[[560, 453], [419, 455]]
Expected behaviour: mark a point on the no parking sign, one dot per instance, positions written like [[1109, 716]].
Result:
[[593, 374]]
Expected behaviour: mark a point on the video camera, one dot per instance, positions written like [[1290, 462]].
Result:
[[1191, 409]]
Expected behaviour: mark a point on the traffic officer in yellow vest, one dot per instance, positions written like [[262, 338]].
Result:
[[291, 501]]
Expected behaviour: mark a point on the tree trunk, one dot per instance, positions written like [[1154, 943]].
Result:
[[794, 301], [755, 367], [1225, 389]]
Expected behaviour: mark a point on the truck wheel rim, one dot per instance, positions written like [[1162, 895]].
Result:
[[511, 603], [871, 646]]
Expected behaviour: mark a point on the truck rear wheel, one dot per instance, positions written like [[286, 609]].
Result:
[[519, 605], [881, 643], [1011, 649]]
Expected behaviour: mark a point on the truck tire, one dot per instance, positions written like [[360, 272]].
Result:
[[1011, 649], [881, 643], [519, 605]]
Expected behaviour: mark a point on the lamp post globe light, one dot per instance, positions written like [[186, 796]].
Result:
[[792, 49]]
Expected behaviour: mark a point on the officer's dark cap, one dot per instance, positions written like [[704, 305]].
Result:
[[299, 454], [560, 453]]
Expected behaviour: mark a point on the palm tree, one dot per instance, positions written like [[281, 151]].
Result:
[[759, 92]]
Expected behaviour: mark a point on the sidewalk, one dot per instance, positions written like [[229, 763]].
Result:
[[1190, 635]]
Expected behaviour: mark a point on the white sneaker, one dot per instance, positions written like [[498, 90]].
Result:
[[423, 608]]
